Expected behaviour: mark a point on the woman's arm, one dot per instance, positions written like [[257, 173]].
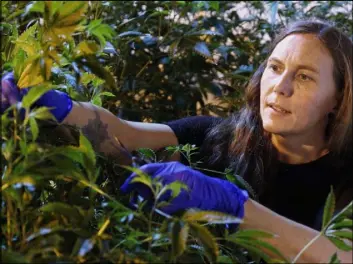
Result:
[[292, 236], [105, 131]]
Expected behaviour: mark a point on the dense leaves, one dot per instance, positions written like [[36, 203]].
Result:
[[150, 61]]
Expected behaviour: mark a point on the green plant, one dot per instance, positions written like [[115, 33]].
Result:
[[60, 200]]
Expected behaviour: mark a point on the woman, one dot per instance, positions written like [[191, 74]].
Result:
[[291, 141]]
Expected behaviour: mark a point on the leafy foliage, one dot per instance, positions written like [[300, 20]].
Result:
[[142, 61]]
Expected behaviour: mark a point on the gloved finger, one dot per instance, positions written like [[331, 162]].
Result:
[[182, 202], [150, 169], [141, 188], [9, 91]]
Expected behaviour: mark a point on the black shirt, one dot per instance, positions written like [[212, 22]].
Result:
[[299, 191]]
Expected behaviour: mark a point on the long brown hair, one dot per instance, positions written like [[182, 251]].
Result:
[[241, 140]]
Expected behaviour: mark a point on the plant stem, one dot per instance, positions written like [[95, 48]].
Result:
[[8, 216], [306, 247]]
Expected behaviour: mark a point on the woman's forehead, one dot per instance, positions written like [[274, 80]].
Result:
[[304, 49]]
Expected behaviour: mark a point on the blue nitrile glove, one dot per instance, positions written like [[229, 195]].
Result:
[[11, 94], [205, 193]]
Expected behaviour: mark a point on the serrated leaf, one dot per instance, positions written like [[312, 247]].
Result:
[[18, 64], [101, 31], [148, 153], [175, 187], [179, 235], [211, 217], [334, 259], [340, 243], [28, 34], [96, 100], [31, 75], [34, 94], [206, 239], [329, 209], [34, 128], [202, 49]]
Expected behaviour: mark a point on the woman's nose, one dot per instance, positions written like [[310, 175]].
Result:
[[283, 86]]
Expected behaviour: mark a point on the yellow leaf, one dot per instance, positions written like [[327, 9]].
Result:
[[48, 63], [86, 48], [31, 75], [71, 13], [64, 33]]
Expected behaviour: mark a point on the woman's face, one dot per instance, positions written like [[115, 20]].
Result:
[[297, 87]]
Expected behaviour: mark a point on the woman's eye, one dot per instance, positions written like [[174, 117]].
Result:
[[305, 77], [273, 67]]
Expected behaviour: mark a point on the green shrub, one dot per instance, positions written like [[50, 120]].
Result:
[[61, 200]]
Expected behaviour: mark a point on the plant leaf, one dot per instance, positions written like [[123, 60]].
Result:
[[102, 32], [34, 128], [179, 234], [86, 48], [329, 209], [148, 153], [64, 209], [31, 74], [87, 149], [204, 32], [92, 64], [251, 234], [211, 217], [130, 33], [202, 49], [341, 234], [340, 243], [206, 239], [251, 237], [334, 259], [34, 94], [345, 223]]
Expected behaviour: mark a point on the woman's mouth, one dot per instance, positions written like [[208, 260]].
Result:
[[278, 109]]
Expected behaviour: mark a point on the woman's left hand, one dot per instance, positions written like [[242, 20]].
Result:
[[204, 192]]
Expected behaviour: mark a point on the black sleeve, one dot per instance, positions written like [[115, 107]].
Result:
[[193, 130]]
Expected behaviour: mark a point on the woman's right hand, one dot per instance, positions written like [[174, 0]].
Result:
[[11, 94]]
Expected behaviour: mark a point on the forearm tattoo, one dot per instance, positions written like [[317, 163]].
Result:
[[97, 133]]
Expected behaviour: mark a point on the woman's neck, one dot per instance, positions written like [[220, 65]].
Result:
[[296, 150]]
